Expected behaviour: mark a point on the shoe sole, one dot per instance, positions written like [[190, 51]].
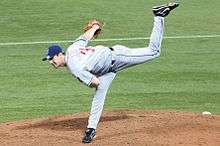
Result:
[[164, 10], [171, 6]]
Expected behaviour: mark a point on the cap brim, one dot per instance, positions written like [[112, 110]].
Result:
[[44, 59], [47, 58]]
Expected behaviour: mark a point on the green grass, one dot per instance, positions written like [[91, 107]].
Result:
[[185, 78]]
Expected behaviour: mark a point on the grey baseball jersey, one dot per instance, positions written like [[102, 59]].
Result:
[[84, 62]]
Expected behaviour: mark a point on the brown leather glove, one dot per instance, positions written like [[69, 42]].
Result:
[[90, 24]]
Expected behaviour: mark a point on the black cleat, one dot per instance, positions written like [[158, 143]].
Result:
[[89, 135], [164, 10]]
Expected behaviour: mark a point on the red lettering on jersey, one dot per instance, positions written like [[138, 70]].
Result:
[[85, 50]]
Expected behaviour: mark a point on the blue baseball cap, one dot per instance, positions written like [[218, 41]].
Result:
[[52, 51]]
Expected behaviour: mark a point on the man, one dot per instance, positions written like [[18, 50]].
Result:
[[97, 66]]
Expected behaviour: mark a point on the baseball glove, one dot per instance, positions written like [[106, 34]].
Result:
[[90, 24]]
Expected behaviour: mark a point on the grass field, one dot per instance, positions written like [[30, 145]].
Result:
[[185, 78]]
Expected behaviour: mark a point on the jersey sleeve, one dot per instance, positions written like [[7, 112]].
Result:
[[81, 41], [81, 74]]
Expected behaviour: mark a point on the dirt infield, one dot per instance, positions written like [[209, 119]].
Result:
[[124, 127]]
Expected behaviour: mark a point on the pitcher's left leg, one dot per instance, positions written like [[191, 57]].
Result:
[[126, 57], [97, 105]]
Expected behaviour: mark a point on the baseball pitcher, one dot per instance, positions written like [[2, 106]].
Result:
[[97, 66]]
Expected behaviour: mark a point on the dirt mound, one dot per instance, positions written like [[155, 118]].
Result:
[[127, 127]]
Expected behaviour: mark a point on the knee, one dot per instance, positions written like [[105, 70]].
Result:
[[155, 50], [157, 53]]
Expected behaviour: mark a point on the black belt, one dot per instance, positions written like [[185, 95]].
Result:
[[111, 48], [113, 61]]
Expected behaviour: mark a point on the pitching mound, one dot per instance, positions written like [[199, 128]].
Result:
[[128, 127]]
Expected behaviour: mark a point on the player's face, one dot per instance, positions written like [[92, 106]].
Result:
[[57, 61]]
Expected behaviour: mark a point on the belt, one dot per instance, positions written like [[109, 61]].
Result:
[[113, 61], [111, 48]]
